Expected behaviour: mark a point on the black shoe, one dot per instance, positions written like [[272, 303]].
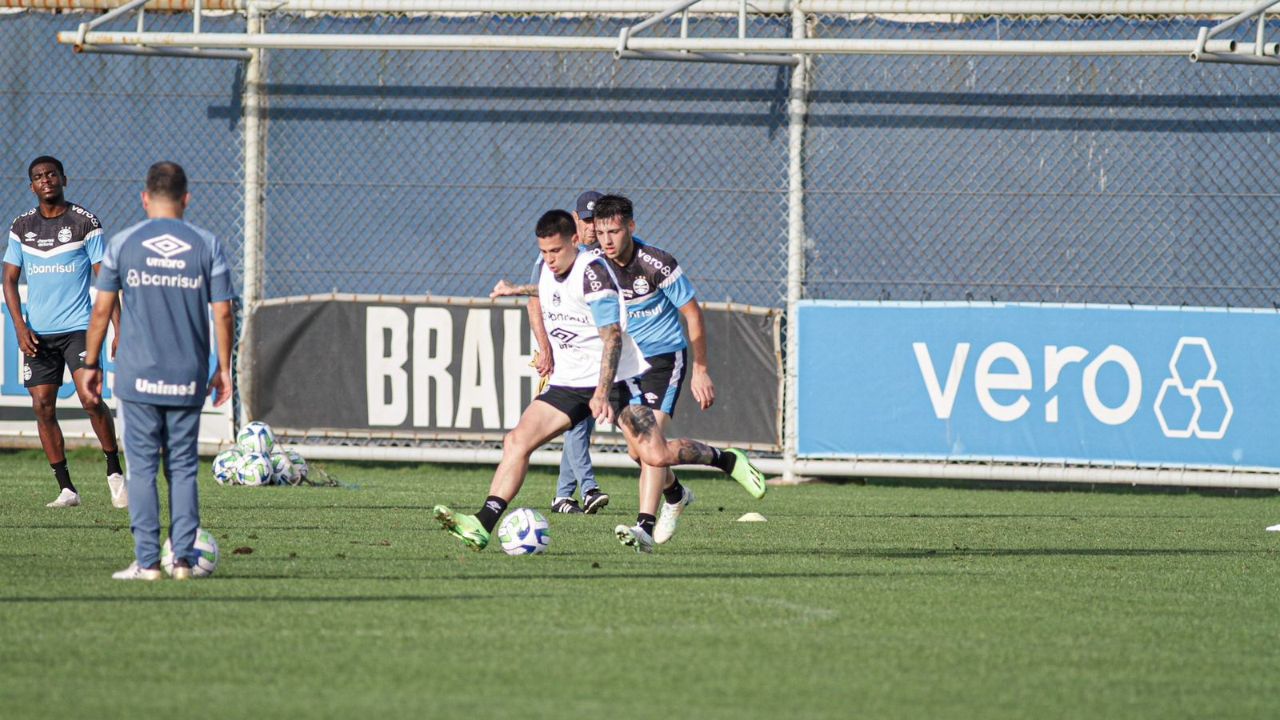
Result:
[[565, 505], [593, 501]]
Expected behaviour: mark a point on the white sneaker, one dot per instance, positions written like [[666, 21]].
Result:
[[119, 492], [133, 572], [635, 537], [66, 498], [669, 515]]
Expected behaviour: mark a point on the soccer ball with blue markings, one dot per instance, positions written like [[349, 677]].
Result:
[[282, 470], [206, 549], [254, 469], [224, 467], [256, 437], [524, 532], [300, 467]]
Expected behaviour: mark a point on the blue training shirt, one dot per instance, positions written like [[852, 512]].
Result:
[[654, 289], [57, 256], [167, 272]]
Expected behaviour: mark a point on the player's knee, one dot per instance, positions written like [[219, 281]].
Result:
[[45, 409], [90, 402], [515, 441]]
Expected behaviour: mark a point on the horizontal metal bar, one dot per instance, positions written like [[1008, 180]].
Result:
[[724, 58], [296, 41], [872, 468], [877, 7], [1234, 58], [164, 52]]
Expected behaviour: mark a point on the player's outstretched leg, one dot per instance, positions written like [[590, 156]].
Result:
[[738, 465], [645, 438], [466, 528]]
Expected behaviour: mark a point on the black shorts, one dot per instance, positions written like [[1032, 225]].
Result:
[[54, 354], [576, 402], [659, 386]]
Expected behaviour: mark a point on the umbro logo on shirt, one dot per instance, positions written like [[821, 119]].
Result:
[[563, 335], [166, 246]]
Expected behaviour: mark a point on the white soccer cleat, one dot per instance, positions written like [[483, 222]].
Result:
[[669, 515], [133, 572], [119, 492], [66, 498], [634, 537]]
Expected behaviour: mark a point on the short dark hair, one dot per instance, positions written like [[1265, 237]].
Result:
[[46, 159], [167, 180], [613, 206], [556, 222]]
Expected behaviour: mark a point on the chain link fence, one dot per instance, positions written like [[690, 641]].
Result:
[[1140, 180], [423, 173]]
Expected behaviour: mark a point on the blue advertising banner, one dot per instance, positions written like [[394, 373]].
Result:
[[1150, 386]]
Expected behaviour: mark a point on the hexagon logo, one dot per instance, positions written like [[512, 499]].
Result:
[[1192, 402]]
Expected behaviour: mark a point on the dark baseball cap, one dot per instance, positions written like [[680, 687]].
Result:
[[587, 204]]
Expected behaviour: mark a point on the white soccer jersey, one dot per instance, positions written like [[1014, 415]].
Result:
[[574, 308]]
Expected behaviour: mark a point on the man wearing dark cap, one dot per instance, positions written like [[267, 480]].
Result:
[[576, 471]]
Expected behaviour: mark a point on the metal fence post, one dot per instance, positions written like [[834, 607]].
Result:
[[797, 117], [253, 233]]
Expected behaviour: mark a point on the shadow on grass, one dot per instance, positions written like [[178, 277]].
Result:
[[991, 552], [1060, 487]]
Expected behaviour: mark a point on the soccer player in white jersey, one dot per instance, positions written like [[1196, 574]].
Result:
[[586, 321], [59, 246], [576, 471]]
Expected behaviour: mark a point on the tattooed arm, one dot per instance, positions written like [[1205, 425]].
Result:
[[611, 335]]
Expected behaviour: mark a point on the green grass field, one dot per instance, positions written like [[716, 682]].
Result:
[[884, 600]]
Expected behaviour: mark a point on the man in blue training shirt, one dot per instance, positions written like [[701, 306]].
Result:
[[168, 273], [58, 245], [657, 294]]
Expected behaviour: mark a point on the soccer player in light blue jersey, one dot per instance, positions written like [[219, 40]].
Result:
[[168, 273], [58, 246], [657, 295]]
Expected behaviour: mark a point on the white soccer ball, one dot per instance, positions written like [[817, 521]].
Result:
[[206, 560], [524, 531], [299, 465], [256, 437], [282, 470], [224, 467], [254, 469]]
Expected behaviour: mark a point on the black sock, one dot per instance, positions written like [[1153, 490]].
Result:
[[646, 521], [493, 508], [113, 462], [723, 460], [62, 475], [674, 493]]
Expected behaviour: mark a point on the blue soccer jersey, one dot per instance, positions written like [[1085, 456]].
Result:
[[654, 288], [167, 272], [57, 256]]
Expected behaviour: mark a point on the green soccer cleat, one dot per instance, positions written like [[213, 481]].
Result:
[[751, 479], [466, 528]]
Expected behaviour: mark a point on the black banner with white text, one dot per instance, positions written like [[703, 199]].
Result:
[[450, 369]]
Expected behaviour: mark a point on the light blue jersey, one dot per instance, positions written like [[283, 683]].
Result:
[[167, 271], [57, 256], [654, 289]]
